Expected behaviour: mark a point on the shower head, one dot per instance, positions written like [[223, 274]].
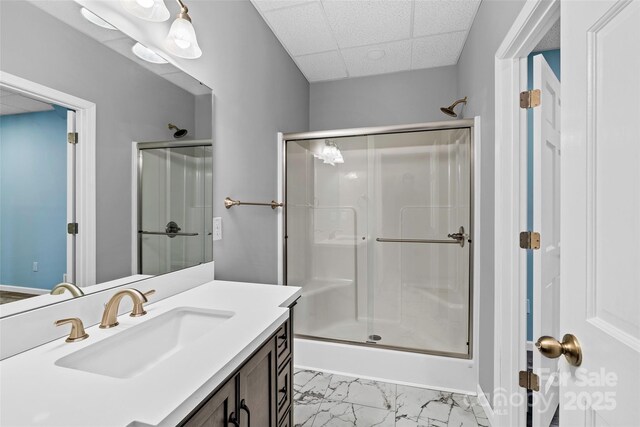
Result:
[[449, 110], [179, 133]]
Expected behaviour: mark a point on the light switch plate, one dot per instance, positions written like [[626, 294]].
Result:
[[217, 228]]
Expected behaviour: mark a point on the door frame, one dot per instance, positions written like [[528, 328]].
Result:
[[85, 169], [530, 26]]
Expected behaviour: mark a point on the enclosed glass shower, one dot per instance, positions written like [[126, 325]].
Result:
[[378, 230], [174, 205]]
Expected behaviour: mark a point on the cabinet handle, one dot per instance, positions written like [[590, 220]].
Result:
[[233, 420], [283, 390], [244, 407], [283, 339]]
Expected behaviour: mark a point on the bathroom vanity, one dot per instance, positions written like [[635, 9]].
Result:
[[219, 354]]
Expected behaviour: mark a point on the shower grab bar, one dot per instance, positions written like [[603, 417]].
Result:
[[229, 203], [164, 233], [457, 238]]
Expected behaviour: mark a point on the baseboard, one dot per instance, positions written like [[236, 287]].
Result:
[[486, 406], [24, 289]]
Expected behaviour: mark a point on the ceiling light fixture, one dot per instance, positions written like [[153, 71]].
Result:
[[147, 54], [149, 10], [95, 19], [181, 40]]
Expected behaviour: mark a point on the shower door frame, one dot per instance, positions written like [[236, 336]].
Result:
[[136, 193], [474, 217]]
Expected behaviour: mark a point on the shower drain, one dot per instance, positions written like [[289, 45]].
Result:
[[375, 337]]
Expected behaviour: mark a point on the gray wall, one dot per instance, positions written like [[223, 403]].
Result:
[[388, 99], [258, 91], [476, 80], [132, 104]]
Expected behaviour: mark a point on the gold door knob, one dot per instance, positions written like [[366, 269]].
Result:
[[552, 348]]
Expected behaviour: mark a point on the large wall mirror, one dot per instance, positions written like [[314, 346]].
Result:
[[130, 196]]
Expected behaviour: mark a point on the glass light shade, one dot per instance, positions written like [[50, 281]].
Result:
[[95, 19], [181, 40], [149, 10], [147, 54]]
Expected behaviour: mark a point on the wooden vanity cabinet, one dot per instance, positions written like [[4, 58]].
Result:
[[258, 394]]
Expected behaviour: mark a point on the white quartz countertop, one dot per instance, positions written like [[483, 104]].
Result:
[[36, 392]]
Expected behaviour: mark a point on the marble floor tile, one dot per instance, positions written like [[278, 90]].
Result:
[[362, 392], [305, 410], [310, 384], [433, 407], [482, 422], [338, 414]]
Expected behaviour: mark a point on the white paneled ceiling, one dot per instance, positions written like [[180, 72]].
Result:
[[14, 103], [337, 39]]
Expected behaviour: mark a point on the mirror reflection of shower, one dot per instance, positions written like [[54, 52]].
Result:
[[174, 215]]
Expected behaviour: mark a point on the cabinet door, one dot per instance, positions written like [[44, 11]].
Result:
[[218, 410], [257, 405]]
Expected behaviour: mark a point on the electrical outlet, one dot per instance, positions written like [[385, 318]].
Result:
[[217, 228], [35, 266]]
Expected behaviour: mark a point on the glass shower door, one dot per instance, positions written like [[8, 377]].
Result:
[[374, 231], [174, 208], [419, 278]]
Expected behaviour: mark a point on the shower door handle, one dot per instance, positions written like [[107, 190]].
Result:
[[164, 233], [459, 238]]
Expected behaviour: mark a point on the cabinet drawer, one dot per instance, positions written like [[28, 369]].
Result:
[[283, 343], [285, 392]]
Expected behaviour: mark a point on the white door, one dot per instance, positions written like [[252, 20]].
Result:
[[600, 212], [546, 220]]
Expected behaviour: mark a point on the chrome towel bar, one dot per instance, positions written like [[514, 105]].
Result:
[[229, 203]]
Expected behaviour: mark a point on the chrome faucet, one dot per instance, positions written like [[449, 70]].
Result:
[[61, 287], [110, 315]]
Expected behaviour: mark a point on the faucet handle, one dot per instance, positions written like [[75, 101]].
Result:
[[77, 329]]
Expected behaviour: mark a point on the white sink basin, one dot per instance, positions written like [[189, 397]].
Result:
[[140, 348]]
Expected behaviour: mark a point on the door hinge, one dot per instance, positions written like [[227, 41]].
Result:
[[530, 240], [72, 137], [529, 380], [530, 98], [72, 228]]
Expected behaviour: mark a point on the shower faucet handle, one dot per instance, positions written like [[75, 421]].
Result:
[[460, 236]]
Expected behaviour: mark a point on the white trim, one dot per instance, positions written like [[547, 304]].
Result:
[[280, 214], [23, 289], [486, 407], [477, 242], [85, 168], [535, 19], [134, 207]]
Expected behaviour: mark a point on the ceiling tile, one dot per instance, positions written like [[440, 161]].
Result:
[[397, 57], [25, 104], [322, 66], [358, 22], [6, 110], [266, 5], [302, 30], [438, 50], [443, 16]]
